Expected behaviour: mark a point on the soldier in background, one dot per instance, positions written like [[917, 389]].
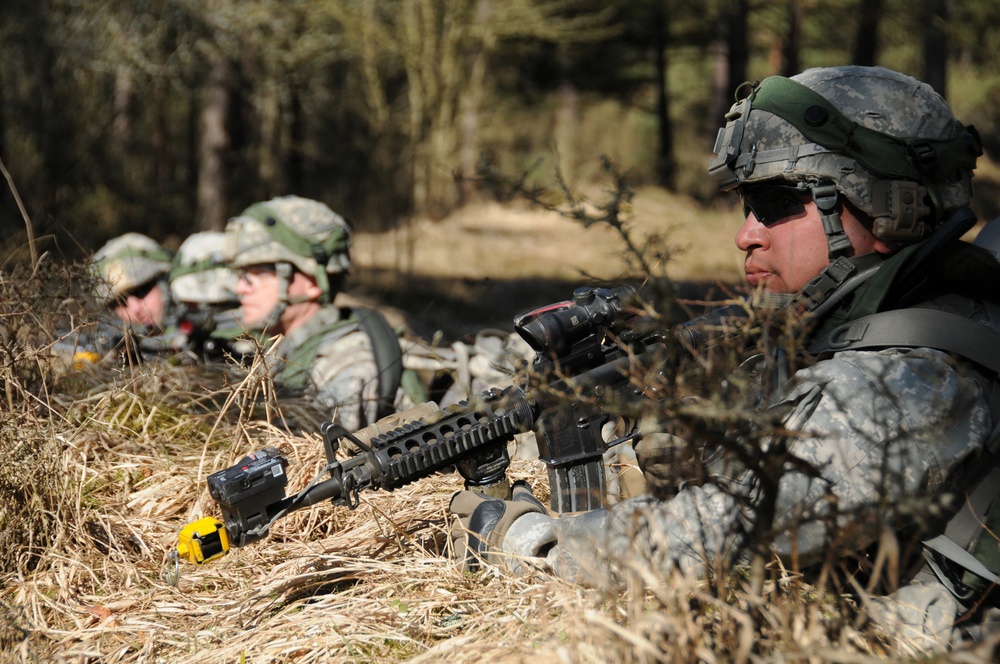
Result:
[[131, 273], [203, 288], [293, 256]]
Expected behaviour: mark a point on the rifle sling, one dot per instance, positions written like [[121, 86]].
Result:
[[917, 328]]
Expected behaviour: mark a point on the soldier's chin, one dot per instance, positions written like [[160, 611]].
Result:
[[256, 320], [252, 318]]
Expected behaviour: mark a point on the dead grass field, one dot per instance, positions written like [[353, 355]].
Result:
[[102, 470], [508, 241], [489, 261]]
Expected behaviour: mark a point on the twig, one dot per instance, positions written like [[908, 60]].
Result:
[[24, 214]]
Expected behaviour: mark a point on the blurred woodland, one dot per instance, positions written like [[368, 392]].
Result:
[[168, 117]]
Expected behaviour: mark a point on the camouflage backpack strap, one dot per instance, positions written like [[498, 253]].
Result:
[[964, 556], [385, 349], [295, 370], [963, 318], [388, 357]]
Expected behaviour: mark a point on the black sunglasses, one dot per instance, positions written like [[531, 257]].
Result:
[[770, 203], [140, 292]]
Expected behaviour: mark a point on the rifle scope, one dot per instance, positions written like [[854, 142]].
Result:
[[555, 329]]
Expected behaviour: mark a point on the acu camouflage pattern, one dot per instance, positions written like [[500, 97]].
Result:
[[883, 430], [876, 98], [249, 243], [127, 262], [200, 274], [342, 374]]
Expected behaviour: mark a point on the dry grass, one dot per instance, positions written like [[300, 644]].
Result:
[[101, 470], [333, 585], [493, 240]]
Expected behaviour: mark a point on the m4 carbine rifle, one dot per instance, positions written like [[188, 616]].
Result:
[[587, 356]]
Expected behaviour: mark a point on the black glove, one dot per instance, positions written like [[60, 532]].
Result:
[[486, 529]]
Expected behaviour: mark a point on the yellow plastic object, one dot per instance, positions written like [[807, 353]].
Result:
[[203, 541], [82, 358]]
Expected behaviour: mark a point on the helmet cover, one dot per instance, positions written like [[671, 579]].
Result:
[[200, 274], [290, 229], [128, 262], [887, 141]]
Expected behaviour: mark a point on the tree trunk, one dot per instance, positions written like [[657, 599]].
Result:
[[791, 45], [739, 46], [721, 94], [471, 102], [566, 129], [269, 155], [418, 102], [865, 50], [123, 96], [666, 166], [159, 172], [191, 152], [211, 214], [296, 140], [730, 53], [935, 19]]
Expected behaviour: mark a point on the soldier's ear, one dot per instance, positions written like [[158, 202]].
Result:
[[304, 285]]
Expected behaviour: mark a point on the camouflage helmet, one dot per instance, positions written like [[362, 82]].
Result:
[[290, 229], [128, 262], [200, 274], [888, 142]]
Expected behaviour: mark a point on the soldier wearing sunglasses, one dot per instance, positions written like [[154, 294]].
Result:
[[131, 272], [856, 184], [292, 256], [130, 278]]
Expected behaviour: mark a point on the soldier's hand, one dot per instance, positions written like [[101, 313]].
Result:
[[501, 532]]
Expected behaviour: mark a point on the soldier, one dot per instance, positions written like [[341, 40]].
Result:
[[131, 273], [293, 256], [203, 286], [130, 279], [855, 185]]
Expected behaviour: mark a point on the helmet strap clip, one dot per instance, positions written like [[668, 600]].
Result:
[[825, 196]]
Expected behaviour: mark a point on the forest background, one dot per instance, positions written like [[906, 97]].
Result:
[[170, 117]]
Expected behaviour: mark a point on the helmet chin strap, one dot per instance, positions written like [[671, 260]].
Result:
[[842, 275], [285, 273], [825, 197]]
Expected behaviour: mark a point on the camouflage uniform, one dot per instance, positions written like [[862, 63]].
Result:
[[329, 355], [341, 373], [885, 430]]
